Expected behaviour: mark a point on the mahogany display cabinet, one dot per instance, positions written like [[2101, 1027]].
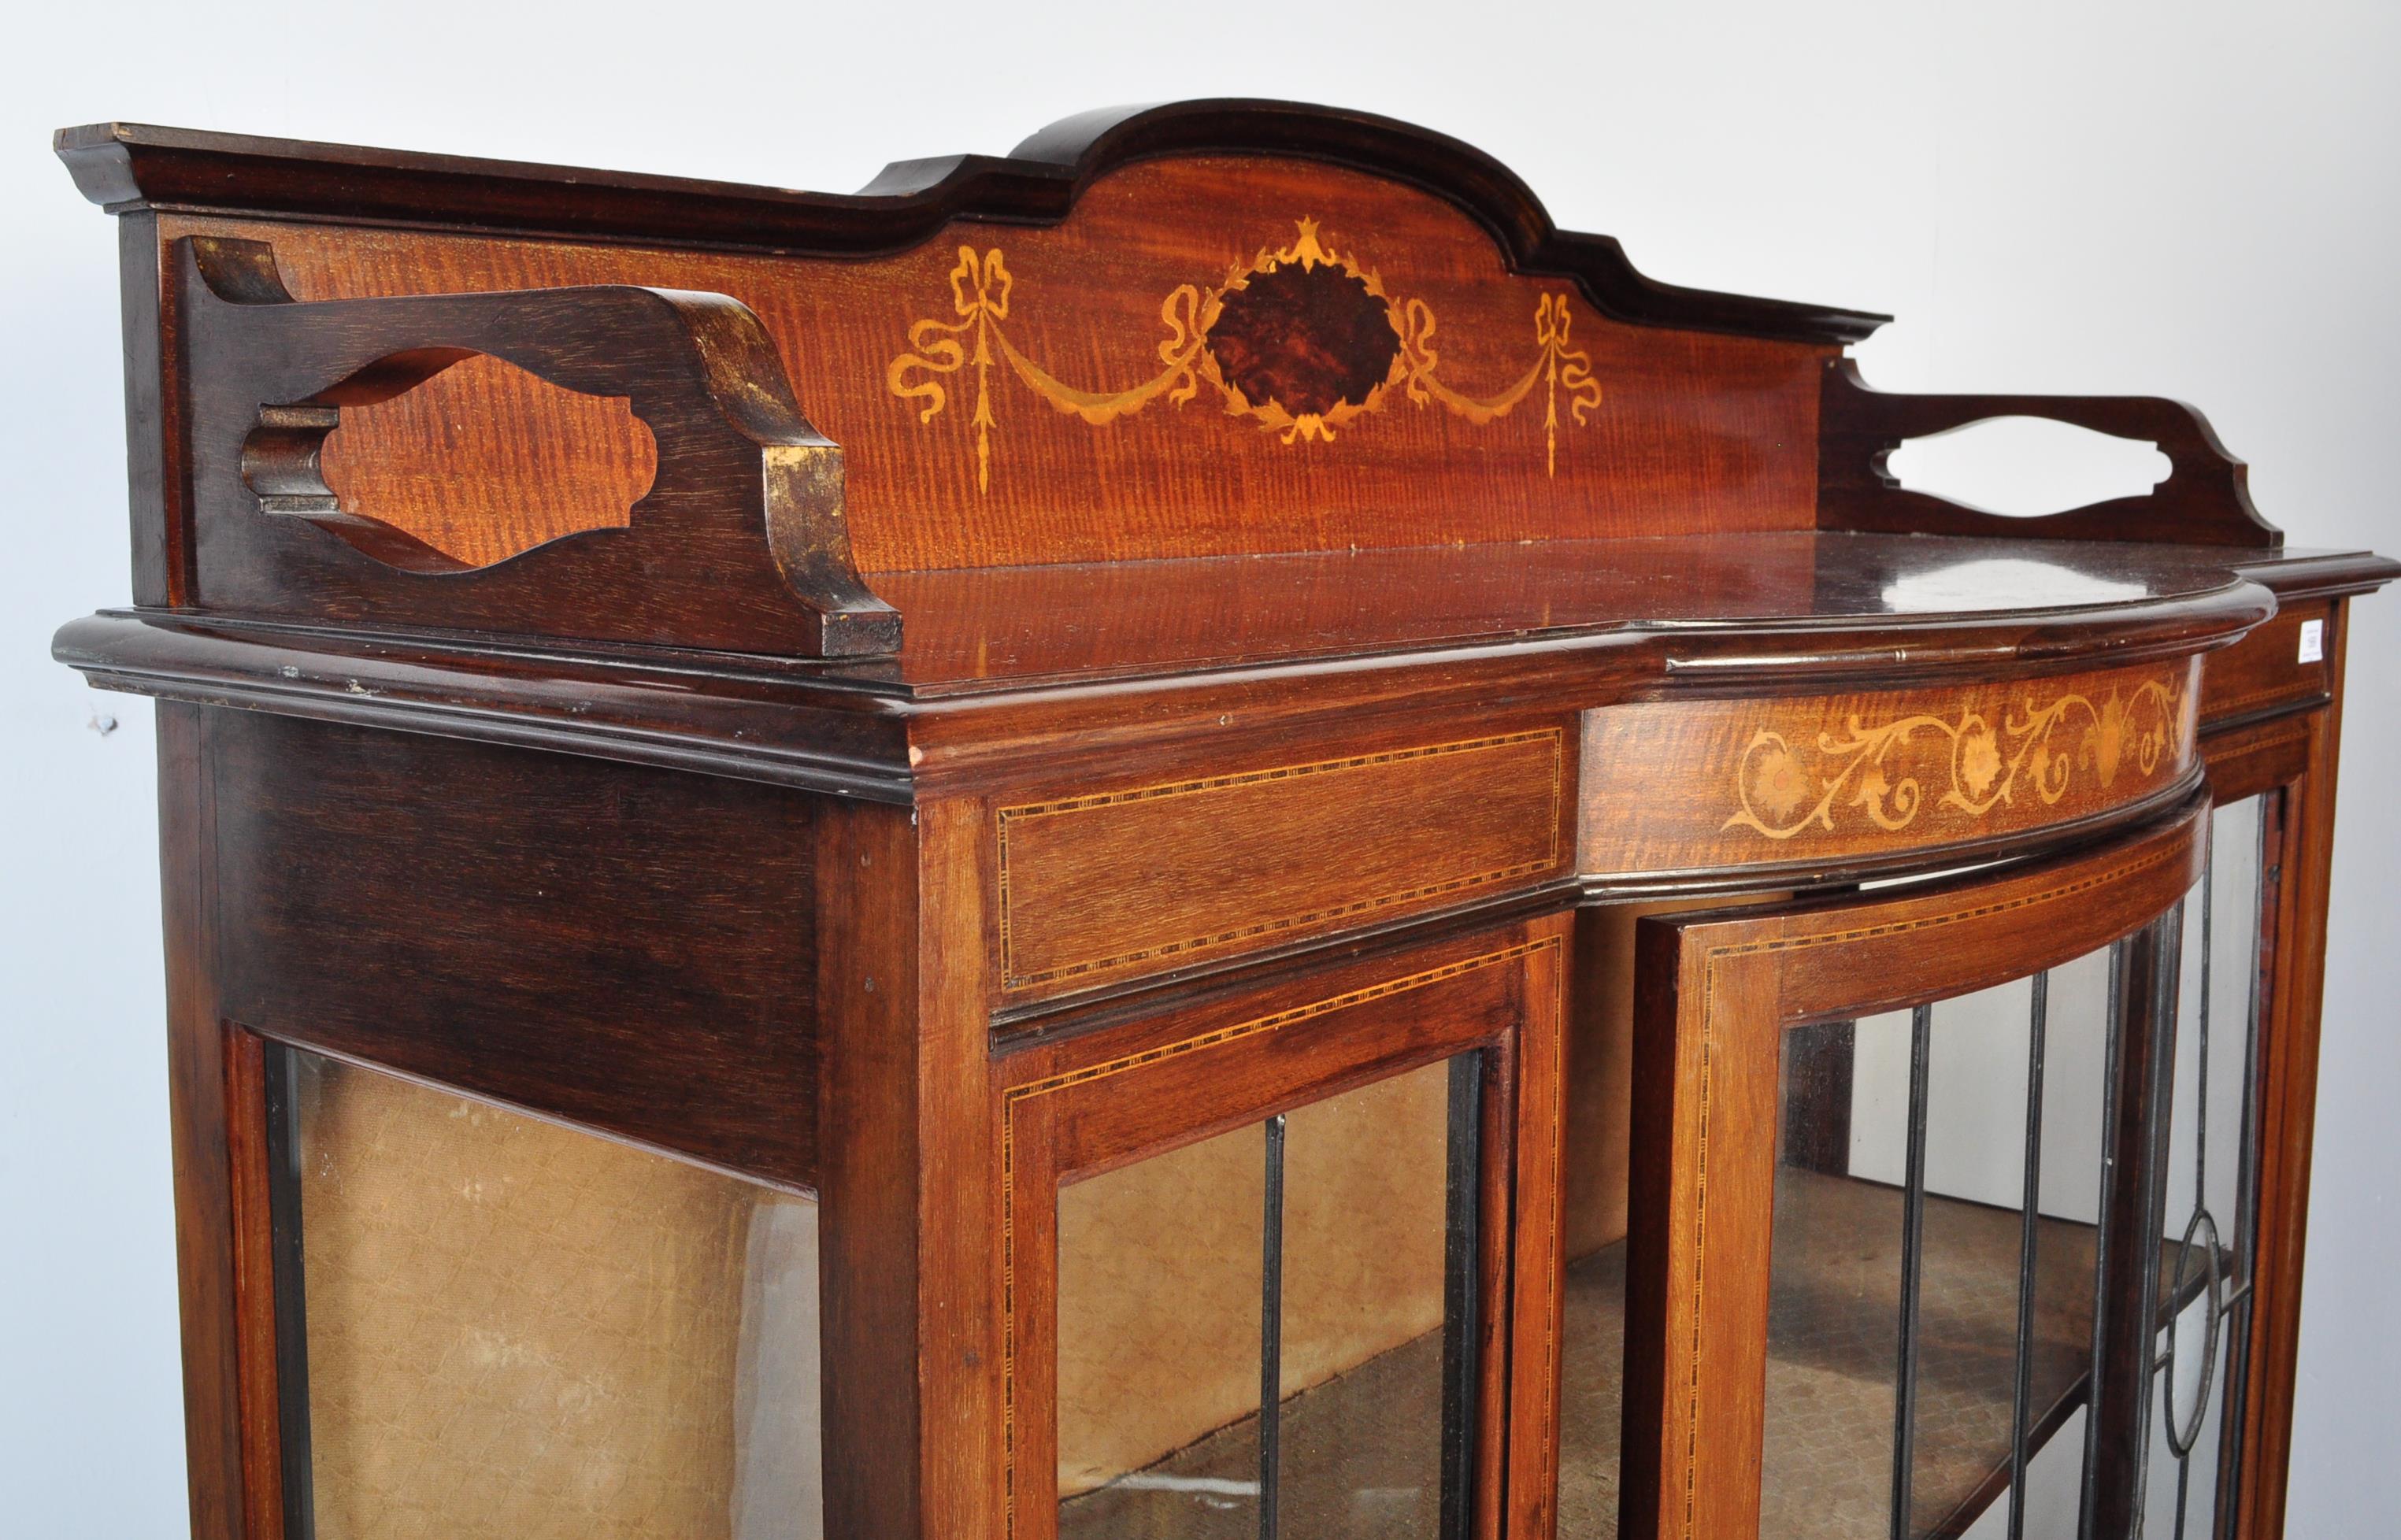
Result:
[[1192, 835]]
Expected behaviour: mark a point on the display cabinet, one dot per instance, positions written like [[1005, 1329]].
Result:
[[1192, 835]]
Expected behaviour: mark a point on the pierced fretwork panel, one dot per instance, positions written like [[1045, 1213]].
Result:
[[483, 461]]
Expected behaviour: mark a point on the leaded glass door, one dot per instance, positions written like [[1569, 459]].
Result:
[[1901, 1262], [1284, 1265]]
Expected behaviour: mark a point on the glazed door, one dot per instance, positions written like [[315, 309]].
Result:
[[1900, 1264], [1281, 1264]]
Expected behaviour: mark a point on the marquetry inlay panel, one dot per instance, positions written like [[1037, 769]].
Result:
[[1689, 786], [1209, 354], [1118, 883]]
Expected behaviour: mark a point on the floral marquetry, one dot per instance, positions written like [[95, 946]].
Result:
[[1138, 379], [1872, 771], [1701, 784]]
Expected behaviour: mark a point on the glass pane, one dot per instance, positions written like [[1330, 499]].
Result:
[[513, 1327], [2059, 1346], [1592, 1401], [2205, 1264], [1329, 1253], [1979, 1053], [1160, 1280], [2235, 922], [2055, 1488], [1833, 1310], [2198, 1058], [1594, 1159], [1365, 1221], [1988, 1327], [2180, 1497]]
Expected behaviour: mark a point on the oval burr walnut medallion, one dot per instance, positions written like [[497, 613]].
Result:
[[1304, 339]]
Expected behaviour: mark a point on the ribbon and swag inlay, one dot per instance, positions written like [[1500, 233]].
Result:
[[1301, 339]]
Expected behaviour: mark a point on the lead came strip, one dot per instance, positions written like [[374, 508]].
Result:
[[1913, 1262], [2037, 1034]]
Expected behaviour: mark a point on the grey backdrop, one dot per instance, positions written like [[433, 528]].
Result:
[[2199, 200]]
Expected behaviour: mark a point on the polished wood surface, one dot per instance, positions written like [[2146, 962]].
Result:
[[914, 1285], [1020, 626], [1691, 786], [1118, 881], [2271, 671], [922, 696], [474, 491], [224, 1459], [1096, 428], [740, 538], [642, 933], [2280, 743], [2205, 500], [2292, 984], [131, 168], [1147, 633]]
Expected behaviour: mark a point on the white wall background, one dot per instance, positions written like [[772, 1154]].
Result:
[[2196, 199]]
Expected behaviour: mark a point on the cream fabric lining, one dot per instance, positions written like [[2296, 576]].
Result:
[[518, 1329], [1159, 1272]]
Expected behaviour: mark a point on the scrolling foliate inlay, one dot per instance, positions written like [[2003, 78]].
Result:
[[2041, 750], [1302, 339]]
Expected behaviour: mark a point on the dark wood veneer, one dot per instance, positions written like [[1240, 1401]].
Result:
[[122, 166], [625, 948], [741, 538], [2205, 500], [1250, 723]]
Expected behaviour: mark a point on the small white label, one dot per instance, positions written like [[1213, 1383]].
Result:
[[2313, 640]]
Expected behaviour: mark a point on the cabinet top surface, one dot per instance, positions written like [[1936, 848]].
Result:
[[1672, 611], [998, 628]]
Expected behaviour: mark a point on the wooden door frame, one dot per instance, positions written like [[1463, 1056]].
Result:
[[2291, 759], [1103, 1101], [1716, 993]]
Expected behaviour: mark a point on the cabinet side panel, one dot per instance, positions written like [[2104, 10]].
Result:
[[223, 1487], [625, 948]]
